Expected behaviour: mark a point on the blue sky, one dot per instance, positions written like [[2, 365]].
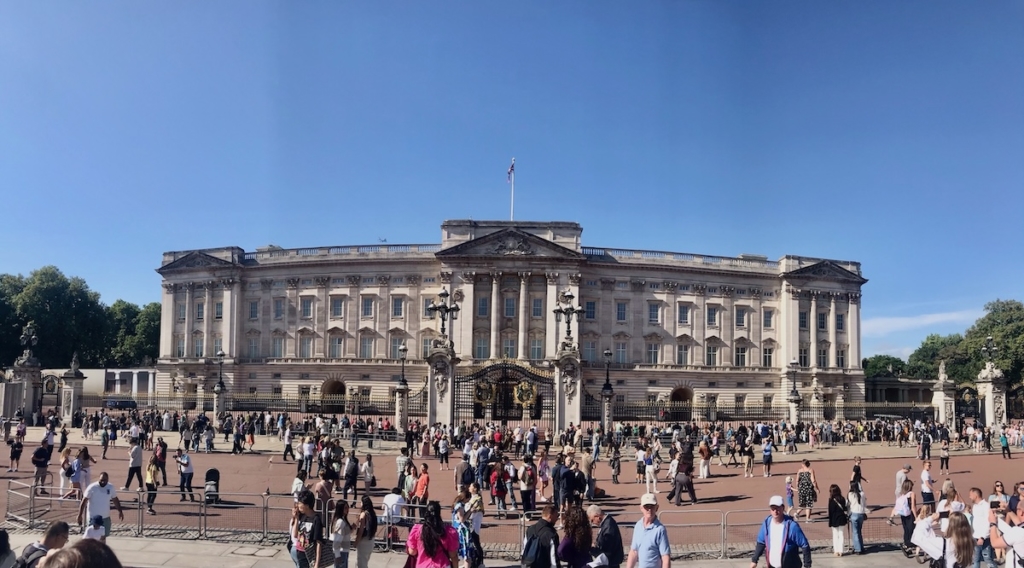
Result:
[[886, 132]]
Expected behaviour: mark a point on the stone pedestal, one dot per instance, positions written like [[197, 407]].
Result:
[[401, 409], [440, 382], [606, 414], [794, 412], [944, 401], [841, 406], [992, 389], [568, 398], [218, 407], [31, 380], [72, 383]]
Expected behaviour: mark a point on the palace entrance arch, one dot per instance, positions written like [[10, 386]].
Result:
[[504, 393], [332, 396]]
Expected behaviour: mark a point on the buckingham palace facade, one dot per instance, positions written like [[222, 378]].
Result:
[[665, 326]]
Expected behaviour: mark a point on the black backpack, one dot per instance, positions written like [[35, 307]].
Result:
[[31, 559], [468, 476]]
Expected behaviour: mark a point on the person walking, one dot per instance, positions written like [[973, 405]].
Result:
[[152, 480], [904, 508], [927, 489], [780, 539], [807, 489], [609, 539], [366, 531], [40, 460], [650, 474], [369, 480], [546, 538], [980, 529], [1004, 443], [432, 543], [185, 473], [649, 547], [857, 504], [766, 456], [134, 465], [944, 458], [837, 518], [858, 475], [901, 476]]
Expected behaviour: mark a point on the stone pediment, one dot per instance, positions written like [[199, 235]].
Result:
[[825, 270], [193, 260], [509, 243]]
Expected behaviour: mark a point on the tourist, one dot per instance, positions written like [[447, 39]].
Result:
[[901, 476], [185, 473], [650, 472], [705, 461], [683, 482], [7, 556], [837, 518], [528, 484], [944, 458], [511, 476], [366, 531], [463, 473], [475, 507], [807, 489], [152, 470], [956, 548], [546, 538], [307, 530], [779, 527], [1004, 443], [789, 494], [409, 482], [574, 549], [766, 456], [950, 503], [649, 547], [16, 448], [927, 490], [341, 534], [351, 474], [616, 465], [55, 538], [609, 539], [1006, 537], [857, 503], [904, 508], [41, 460], [980, 529], [96, 502], [95, 530], [421, 492], [858, 476], [160, 452], [369, 480], [431, 542], [134, 464]]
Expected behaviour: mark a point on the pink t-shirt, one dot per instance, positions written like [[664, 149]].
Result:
[[441, 555]]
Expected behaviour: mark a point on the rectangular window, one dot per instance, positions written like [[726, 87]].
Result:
[[684, 315], [536, 349], [711, 359], [840, 322], [508, 348], [199, 310], [712, 316], [367, 311], [180, 348], [590, 351], [823, 358], [620, 352], [822, 321], [766, 356], [198, 351], [305, 347], [218, 345], [803, 358], [803, 320], [620, 311], [653, 353], [307, 307], [180, 310], [590, 310], [397, 307], [278, 308], [683, 355], [254, 310], [653, 311], [482, 350], [741, 357], [841, 358], [768, 400], [396, 346], [218, 310], [741, 317], [337, 305], [427, 314], [366, 347], [482, 307], [337, 346], [278, 347], [510, 307], [276, 391], [538, 307], [425, 347], [767, 319]]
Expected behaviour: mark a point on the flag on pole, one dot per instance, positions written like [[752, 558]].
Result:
[[512, 170]]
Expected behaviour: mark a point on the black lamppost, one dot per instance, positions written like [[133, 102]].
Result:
[[403, 352], [607, 392], [449, 313], [794, 397], [218, 388], [569, 312]]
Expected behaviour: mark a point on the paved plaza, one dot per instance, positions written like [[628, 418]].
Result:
[[725, 497]]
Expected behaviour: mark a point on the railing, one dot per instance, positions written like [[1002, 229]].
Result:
[[679, 412], [596, 253], [353, 250]]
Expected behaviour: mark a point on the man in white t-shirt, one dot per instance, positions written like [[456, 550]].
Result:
[[980, 529], [1006, 537], [927, 491], [96, 501], [185, 473], [393, 506]]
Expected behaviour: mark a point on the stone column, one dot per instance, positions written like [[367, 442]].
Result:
[[524, 315], [227, 322], [135, 383], [291, 348], [853, 330], [756, 329], [832, 361], [992, 387], [401, 410], [322, 322], [465, 343], [190, 314], [551, 332], [813, 326], [606, 416], [208, 313], [727, 324], [790, 321], [168, 318], [353, 311], [495, 315], [700, 319]]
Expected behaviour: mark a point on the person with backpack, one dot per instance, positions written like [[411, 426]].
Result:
[[541, 543], [464, 474], [609, 539], [528, 484], [55, 537]]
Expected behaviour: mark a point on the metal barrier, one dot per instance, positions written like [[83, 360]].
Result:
[[235, 517], [19, 502], [173, 519], [700, 532]]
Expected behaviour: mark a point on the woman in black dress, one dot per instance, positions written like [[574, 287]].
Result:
[[807, 490]]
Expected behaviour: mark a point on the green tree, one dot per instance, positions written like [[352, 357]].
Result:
[[1004, 322], [121, 321], [924, 362], [883, 366], [144, 343]]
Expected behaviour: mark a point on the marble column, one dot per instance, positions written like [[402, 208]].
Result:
[[208, 314], [813, 326], [700, 326], [135, 383], [524, 315], [323, 321], [832, 347], [190, 314], [168, 315], [465, 347], [853, 330], [352, 312], [495, 315], [551, 337]]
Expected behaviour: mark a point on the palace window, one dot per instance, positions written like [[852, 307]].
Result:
[[198, 351], [840, 322], [254, 310], [425, 346], [427, 314], [278, 308], [538, 308], [218, 345], [305, 347], [397, 307], [306, 304], [822, 321], [767, 319], [396, 346], [621, 352], [741, 357], [337, 346], [367, 310], [683, 355], [653, 312], [508, 348], [712, 316], [711, 358], [768, 400], [366, 347], [218, 311], [841, 358], [199, 310], [277, 347], [482, 350], [590, 351], [803, 320], [590, 310], [803, 357], [510, 307], [536, 349], [823, 357], [653, 353], [684, 314], [741, 317], [766, 356], [620, 311], [482, 307], [180, 347], [337, 307], [181, 312]]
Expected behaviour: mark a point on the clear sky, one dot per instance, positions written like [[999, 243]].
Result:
[[891, 133]]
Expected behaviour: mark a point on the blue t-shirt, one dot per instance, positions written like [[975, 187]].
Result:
[[650, 543]]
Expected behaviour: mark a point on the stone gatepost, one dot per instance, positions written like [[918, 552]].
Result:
[[440, 382], [992, 386], [28, 373], [401, 409], [72, 383], [841, 406], [944, 399], [568, 399]]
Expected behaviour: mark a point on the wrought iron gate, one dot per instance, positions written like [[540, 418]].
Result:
[[967, 404], [504, 393]]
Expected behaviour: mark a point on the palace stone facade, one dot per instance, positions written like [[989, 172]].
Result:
[[330, 320]]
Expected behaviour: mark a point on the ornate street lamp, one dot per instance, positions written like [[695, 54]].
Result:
[[607, 392], [794, 396], [989, 350], [569, 312], [219, 387], [449, 313], [403, 352]]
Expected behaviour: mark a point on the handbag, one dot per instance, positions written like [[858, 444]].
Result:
[[939, 562], [326, 559], [846, 516], [373, 481]]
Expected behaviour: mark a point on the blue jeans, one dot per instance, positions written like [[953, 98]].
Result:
[[856, 524], [341, 560], [984, 550], [299, 558]]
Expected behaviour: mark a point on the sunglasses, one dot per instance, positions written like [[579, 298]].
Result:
[[650, 507]]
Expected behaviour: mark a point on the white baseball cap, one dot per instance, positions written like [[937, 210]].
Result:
[[775, 501]]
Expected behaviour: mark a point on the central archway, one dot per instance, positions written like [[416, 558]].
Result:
[[681, 394], [332, 396]]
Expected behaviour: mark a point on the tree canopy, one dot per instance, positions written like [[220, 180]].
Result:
[[70, 318]]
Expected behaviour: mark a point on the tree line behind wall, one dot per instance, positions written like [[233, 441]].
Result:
[[1003, 321], [69, 318]]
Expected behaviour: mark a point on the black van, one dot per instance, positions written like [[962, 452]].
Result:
[[121, 404]]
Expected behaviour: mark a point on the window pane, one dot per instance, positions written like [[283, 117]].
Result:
[[278, 309], [307, 308], [536, 349], [768, 318], [653, 350], [652, 313], [741, 318], [538, 307], [683, 355], [482, 307], [218, 312], [396, 346], [590, 310], [367, 307], [766, 357], [840, 322], [427, 314], [684, 314], [510, 307], [508, 348], [803, 320], [822, 321], [365, 347], [483, 347], [336, 307], [199, 310], [620, 352], [712, 316], [254, 310], [397, 307], [620, 311], [336, 347]]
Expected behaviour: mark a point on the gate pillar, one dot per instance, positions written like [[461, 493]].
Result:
[[992, 386], [568, 396], [442, 360]]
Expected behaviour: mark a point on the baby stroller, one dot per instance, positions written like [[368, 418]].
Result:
[[212, 489]]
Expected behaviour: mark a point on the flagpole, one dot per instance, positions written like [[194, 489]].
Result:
[[512, 208]]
